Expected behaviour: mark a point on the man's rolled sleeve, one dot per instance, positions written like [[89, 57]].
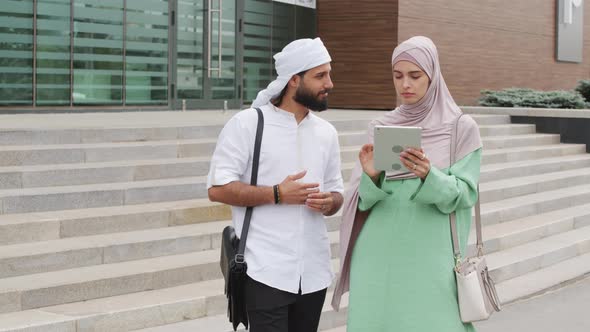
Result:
[[231, 157], [333, 173]]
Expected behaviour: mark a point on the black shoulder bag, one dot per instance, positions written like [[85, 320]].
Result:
[[233, 265]]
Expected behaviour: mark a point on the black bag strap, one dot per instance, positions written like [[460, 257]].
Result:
[[255, 159]]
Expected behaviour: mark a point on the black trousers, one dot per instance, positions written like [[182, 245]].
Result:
[[274, 310]]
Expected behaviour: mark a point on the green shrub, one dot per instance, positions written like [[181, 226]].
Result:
[[584, 89], [518, 97]]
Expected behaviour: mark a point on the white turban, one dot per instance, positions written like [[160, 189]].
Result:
[[298, 56]]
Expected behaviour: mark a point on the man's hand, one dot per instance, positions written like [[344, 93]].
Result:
[[326, 203], [293, 192]]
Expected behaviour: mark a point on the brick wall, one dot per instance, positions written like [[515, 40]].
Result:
[[482, 45]]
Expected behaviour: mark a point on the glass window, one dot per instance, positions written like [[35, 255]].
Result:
[[223, 80], [305, 22], [16, 52], [98, 52], [283, 28], [190, 61], [146, 54], [53, 52], [258, 62]]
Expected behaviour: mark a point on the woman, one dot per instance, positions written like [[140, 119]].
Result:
[[396, 245]]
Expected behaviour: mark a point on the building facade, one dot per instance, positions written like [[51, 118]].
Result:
[[482, 45], [76, 55]]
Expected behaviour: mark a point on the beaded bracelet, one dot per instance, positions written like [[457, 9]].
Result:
[[277, 194]]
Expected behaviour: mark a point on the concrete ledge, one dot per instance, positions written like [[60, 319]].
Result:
[[572, 125], [529, 112]]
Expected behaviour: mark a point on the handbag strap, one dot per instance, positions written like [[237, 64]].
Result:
[[453, 217], [255, 159]]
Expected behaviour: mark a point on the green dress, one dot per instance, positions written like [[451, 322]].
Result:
[[401, 277]]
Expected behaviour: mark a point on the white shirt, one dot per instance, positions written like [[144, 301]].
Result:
[[286, 244]]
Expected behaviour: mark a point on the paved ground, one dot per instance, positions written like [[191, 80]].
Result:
[[563, 310]]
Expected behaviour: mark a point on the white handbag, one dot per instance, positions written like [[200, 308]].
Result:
[[476, 290]]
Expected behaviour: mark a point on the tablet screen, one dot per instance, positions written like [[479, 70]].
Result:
[[390, 141]]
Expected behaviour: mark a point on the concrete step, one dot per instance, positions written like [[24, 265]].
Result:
[[13, 177], [81, 251], [90, 250], [52, 225], [494, 136], [530, 153], [48, 136], [349, 154], [219, 323], [534, 204], [195, 307], [102, 281], [490, 119], [122, 193], [116, 316], [517, 232], [513, 141], [101, 195], [502, 189], [46, 256], [48, 225], [506, 129], [520, 260], [180, 309], [112, 132], [19, 155], [117, 170], [28, 155], [103, 249], [542, 280], [492, 172], [500, 171]]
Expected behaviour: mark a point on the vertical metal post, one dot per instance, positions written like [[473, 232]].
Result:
[[210, 3], [210, 11], [124, 80], [34, 53], [219, 34], [172, 40], [71, 53], [272, 22]]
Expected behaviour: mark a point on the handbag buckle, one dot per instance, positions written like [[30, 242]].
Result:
[[239, 259], [479, 250], [457, 262]]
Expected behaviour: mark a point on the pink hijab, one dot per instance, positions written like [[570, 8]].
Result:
[[436, 113]]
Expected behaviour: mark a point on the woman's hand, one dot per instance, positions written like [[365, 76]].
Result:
[[416, 161], [368, 163]]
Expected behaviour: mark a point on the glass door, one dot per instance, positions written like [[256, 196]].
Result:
[[207, 55]]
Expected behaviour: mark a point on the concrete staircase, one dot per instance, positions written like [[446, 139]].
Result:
[[110, 229]]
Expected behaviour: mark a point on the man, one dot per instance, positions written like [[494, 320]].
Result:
[[299, 182]]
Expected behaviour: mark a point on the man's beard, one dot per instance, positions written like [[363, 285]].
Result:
[[307, 98]]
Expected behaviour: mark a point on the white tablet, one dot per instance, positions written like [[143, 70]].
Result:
[[390, 141]]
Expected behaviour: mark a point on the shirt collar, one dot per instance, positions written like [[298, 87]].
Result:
[[290, 115]]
